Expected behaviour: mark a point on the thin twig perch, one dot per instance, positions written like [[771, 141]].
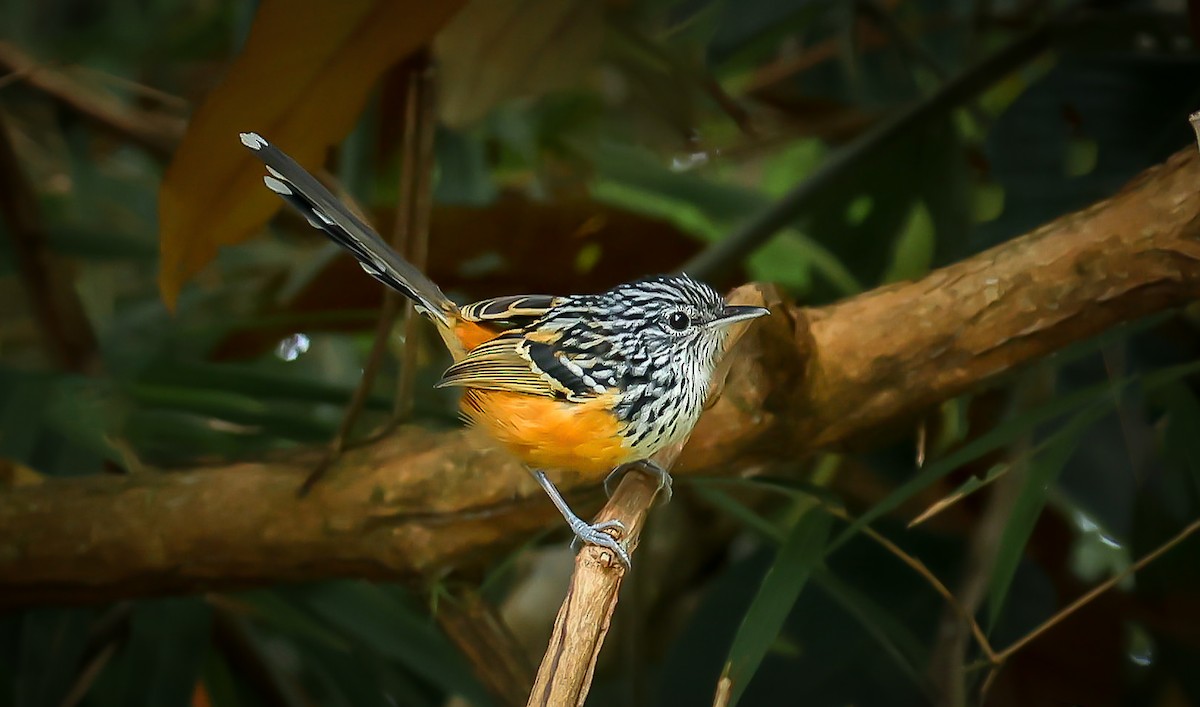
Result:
[[583, 620]]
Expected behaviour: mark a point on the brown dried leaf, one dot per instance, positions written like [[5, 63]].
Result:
[[14, 474], [301, 80], [500, 49]]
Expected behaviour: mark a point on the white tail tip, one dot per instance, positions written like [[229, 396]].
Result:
[[279, 188], [253, 140]]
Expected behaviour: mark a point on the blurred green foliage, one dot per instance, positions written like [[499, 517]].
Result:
[[1106, 447]]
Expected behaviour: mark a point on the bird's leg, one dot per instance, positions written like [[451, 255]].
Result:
[[592, 534], [647, 466]]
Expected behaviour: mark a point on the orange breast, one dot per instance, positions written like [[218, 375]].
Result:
[[546, 433]]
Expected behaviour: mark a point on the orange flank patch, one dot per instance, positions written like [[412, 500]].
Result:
[[547, 433], [472, 334]]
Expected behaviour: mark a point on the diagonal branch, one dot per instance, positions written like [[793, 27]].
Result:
[[423, 501], [155, 131]]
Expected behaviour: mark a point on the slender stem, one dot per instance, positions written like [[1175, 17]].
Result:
[[422, 115], [484, 638], [66, 332], [154, 131], [387, 318], [415, 75], [996, 662], [1098, 590], [920, 568], [232, 637], [886, 20]]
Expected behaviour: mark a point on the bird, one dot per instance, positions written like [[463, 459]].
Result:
[[583, 383]]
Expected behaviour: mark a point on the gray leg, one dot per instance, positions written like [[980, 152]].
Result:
[[590, 534], [646, 466]]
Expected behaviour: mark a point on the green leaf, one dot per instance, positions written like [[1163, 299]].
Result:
[[893, 636], [163, 658], [913, 254], [785, 169], [1081, 156], [786, 486], [23, 397], [737, 510], [51, 645], [637, 181], [802, 549], [901, 644], [1110, 337], [233, 407], [382, 619], [258, 381], [463, 176], [1043, 470], [987, 202], [275, 611], [1181, 441], [361, 679], [89, 413], [1098, 394], [219, 682], [788, 258]]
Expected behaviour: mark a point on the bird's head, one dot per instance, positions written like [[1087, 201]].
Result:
[[677, 320]]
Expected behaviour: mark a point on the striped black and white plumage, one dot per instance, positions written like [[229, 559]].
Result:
[[655, 341]]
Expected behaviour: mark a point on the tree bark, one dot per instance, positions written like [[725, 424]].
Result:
[[423, 501]]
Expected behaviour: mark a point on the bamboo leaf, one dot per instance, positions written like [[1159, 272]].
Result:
[[802, 549], [379, 618], [737, 510], [894, 637], [1043, 470], [1098, 394], [1180, 439]]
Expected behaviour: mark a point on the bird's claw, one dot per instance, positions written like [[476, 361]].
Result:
[[594, 535], [648, 467]]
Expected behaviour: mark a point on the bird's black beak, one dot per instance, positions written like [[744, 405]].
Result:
[[736, 313]]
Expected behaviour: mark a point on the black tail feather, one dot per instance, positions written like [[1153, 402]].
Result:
[[324, 211]]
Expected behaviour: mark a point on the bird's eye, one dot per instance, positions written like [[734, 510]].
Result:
[[678, 321]]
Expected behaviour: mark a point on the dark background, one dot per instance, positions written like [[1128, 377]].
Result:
[[670, 124]]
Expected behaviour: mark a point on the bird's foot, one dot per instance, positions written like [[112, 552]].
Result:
[[646, 466], [594, 535]]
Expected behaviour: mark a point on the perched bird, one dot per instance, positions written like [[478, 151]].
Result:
[[583, 383]]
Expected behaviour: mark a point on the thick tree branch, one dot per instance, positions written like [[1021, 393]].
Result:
[[422, 501]]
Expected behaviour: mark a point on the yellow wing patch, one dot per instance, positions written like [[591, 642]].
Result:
[[498, 365]]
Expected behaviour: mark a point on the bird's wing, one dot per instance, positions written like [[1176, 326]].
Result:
[[522, 362], [510, 312]]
